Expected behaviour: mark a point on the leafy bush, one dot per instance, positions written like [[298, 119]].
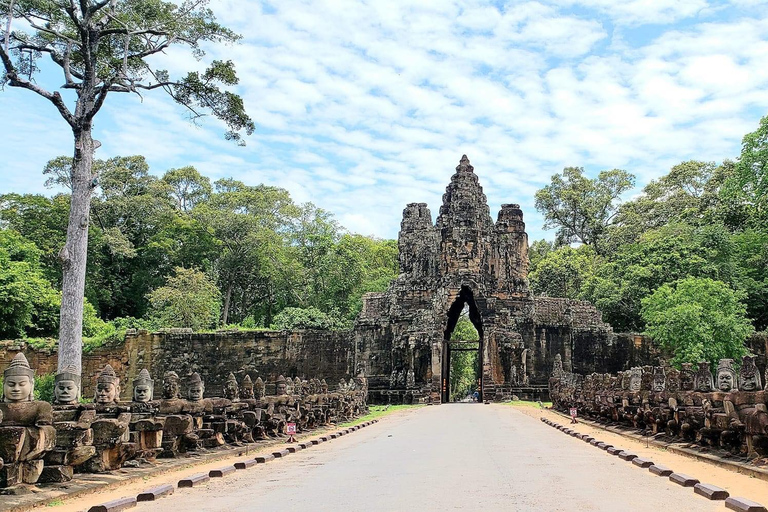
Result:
[[306, 318], [188, 299], [44, 387]]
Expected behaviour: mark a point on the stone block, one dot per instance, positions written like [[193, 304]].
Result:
[[175, 425], [614, 450], [70, 435], [304, 446], [149, 425], [595, 442], [643, 463], [56, 474], [587, 439], [115, 505], [245, 464], [315, 442], [628, 456], [222, 471], [194, 480], [744, 505], [659, 470], [11, 443], [281, 453], [710, 492], [682, 479], [262, 459], [109, 432], [294, 449], [604, 446], [334, 436], [155, 493], [10, 475], [150, 439]]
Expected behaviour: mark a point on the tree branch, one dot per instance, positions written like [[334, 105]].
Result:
[[16, 81]]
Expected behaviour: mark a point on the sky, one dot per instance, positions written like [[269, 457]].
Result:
[[364, 106]]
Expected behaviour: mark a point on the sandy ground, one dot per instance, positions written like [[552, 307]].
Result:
[[736, 484]]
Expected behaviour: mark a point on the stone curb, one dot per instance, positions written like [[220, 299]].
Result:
[[744, 505], [683, 479], [168, 489], [710, 492]]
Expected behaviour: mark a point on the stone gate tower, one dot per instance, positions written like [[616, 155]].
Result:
[[465, 259]]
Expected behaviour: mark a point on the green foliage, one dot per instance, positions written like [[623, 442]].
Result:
[[582, 209], [538, 250], [748, 186], [44, 387], [697, 319], [562, 272], [306, 318], [465, 366], [188, 299]]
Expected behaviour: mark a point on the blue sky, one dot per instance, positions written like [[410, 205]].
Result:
[[364, 106]]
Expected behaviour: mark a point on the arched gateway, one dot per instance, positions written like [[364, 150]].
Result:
[[401, 336]]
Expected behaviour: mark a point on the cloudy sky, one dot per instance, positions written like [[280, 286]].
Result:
[[364, 106]]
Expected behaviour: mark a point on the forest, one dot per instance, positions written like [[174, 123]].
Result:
[[684, 258]]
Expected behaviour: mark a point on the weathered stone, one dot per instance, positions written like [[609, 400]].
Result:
[[261, 459], [682, 479], [744, 505], [194, 480], [222, 471], [643, 463], [155, 493], [628, 456], [56, 474], [115, 505], [659, 470], [245, 464], [710, 492]]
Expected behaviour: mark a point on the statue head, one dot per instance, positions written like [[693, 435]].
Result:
[[107, 387], [171, 385], [246, 388], [143, 387], [297, 386], [636, 379], [624, 376], [66, 385], [726, 376], [289, 386], [280, 386], [313, 390], [18, 381], [195, 388], [259, 389], [323, 387], [673, 380], [646, 381], [659, 380], [687, 377], [231, 389], [703, 381], [557, 367], [749, 376]]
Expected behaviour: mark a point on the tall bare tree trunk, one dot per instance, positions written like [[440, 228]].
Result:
[[227, 299], [74, 254]]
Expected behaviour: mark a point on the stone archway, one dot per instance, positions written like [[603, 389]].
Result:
[[464, 298]]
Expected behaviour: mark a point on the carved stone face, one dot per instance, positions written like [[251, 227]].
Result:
[[142, 393], [18, 388], [635, 379], [195, 392], [280, 389], [65, 391], [170, 389], [686, 377], [231, 391], [658, 382], [106, 393], [724, 381]]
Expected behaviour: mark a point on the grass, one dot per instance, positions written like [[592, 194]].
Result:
[[377, 411], [55, 502], [526, 403]]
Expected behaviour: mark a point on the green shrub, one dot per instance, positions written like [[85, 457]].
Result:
[[306, 318]]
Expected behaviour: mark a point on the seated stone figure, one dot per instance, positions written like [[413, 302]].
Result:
[[72, 420], [111, 435], [26, 433], [145, 427], [179, 429]]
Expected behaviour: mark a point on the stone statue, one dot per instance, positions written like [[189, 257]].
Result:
[[195, 388], [659, 380], [259, 389], [313, 390], [107, 387], [324, 387], [673, 380], [66, 386], [687, 377], [143, 387], [231, 389], [625, 378], [171, 385], [393, 379], [646, 380], [246, 388], [635, 379], [727, 380], [557, 368], [280, 388], [297, 386], [289, 386], [18, 381], [749, 376], [524, 367], [410, 381], [342, 385], [513, 375], [703, 381]]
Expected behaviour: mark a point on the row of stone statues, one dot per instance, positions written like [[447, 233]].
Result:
[[44, 443], [727, 410]]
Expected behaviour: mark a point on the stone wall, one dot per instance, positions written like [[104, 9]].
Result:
[[307, 354]]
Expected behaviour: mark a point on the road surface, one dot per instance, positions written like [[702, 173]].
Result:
[[448, 457]]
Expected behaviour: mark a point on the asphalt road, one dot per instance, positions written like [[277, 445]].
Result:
[[448, 457]]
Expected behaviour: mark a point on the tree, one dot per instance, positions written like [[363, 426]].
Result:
[[697, 319], [188, 187], [305, 318], [749, 184], [188, 299], [464, 365], [103, 47], [562, 272], [582, 209], [537, 251]]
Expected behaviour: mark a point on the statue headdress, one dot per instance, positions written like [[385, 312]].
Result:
[[69, 372], [143, 378], [107, 376], [19, 367]]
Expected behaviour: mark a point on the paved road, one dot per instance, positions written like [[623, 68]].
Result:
[[451, 457]]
